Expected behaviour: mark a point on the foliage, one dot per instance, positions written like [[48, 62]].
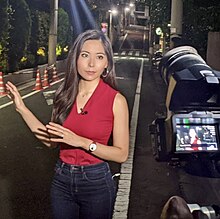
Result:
[[25, 29], [206, 4], [38, 46], [98, 5], [19, 33], [39, 37], [64, 33], [43, 5], [5, 12], [41, 51], [43, 29], [99, 9], [196, 28], [159, 13], [199, 17]]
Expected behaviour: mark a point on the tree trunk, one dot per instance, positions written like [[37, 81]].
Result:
[[213, 50]]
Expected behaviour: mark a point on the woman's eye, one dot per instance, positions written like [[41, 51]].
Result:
[[100, 57], [84, 55]]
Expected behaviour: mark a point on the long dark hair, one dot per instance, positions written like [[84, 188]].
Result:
[[66, 94]]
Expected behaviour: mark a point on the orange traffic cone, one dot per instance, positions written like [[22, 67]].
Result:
[[38, 85], [55, 76], [2, 86], [46, 80]]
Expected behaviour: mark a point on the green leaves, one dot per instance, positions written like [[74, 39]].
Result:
[[199, 19]]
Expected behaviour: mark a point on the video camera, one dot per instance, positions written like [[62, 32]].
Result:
[[192, 121], [177, 207], [207, 212]]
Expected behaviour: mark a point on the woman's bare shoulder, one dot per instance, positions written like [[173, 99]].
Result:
[[120, 101]]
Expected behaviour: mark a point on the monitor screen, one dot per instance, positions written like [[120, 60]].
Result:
[[196, 138]]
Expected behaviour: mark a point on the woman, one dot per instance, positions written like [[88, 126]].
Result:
[[87, 110], [194, 140]]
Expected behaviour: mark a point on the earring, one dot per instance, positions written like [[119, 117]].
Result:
[[106, 72]]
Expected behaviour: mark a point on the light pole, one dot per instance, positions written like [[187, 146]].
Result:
[[53, 32], [111, 12], [176, 20], [132, 9]]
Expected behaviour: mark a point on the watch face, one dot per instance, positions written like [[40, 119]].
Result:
[[92, 147]]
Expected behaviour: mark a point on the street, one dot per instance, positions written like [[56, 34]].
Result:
[[26, 166]]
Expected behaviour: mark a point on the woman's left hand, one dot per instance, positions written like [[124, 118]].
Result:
[[64, 135]]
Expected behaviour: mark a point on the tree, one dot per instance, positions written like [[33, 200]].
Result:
[[99, 9], [64, 33], [19, 33], [199, 17], [38, 47], [159, 13], [196, 28], [39, 38], [4, 33]]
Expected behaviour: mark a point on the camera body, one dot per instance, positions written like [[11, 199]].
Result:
[[192, 121]]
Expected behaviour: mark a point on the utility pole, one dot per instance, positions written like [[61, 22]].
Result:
[[53, 32], [110, 27], [176, 21]]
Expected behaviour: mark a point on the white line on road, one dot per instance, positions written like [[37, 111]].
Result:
[[124, 185], [123, 53], [27, 95]]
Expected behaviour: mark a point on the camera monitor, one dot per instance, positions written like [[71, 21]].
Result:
[[196, 138], [195, 134]]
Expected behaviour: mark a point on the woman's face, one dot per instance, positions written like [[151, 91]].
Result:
[[92, 60], [192, 133]]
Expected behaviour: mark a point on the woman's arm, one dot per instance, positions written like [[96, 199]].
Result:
[[120, 149], [38, 128], [118, 152]]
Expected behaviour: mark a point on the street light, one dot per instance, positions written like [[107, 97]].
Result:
[[111, 12]]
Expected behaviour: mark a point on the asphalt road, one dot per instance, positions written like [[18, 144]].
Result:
[[152, 182]]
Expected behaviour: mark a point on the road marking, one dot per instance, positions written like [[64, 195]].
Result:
[[123, 53], [27, 95], [120, 78], [137, 53], [49, 96], [124, 185], [23, 97]]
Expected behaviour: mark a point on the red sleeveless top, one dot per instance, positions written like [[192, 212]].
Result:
[[96, 123]]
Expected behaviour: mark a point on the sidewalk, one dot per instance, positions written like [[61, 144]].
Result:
[[27, 75], [20, 77]]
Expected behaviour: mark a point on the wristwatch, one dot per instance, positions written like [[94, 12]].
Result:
[[92, 146]]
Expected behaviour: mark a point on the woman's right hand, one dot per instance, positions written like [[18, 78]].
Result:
[[35, 125], [15, 96]]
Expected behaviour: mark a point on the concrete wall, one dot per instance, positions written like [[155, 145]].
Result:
[[213, 50]]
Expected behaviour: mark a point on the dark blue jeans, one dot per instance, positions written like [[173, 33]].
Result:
[[82, 192]]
